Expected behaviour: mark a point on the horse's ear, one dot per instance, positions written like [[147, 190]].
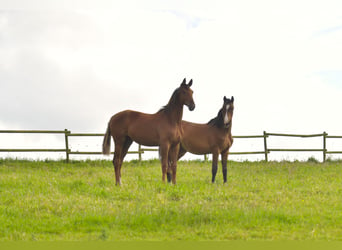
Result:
[[184, 82], [190, 83], [225, 99], [232, 99]]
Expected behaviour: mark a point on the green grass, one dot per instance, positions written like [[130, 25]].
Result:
[[51, 200]]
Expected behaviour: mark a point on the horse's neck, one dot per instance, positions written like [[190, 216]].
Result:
[[226, 131], [230, 131], [230, 127], [175, 113]]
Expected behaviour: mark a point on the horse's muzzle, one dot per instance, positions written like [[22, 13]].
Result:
[[191, 106], [227, 125]]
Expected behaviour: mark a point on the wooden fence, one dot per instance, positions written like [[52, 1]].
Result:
[[66, 133]]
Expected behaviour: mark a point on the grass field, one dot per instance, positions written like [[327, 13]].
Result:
[[51, 200]]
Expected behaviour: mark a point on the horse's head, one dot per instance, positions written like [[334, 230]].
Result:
[[185, 94], [227, 111]]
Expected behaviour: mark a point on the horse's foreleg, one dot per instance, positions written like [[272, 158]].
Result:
[[173, 154], [164, 158], [169, 170], [214, 166], [224, 157], [181, 152]]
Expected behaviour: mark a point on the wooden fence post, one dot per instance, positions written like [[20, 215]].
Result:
[[139, 152], [265, 146], [66, 133], [325, 134]]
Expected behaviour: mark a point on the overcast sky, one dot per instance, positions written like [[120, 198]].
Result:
[[76, 65]]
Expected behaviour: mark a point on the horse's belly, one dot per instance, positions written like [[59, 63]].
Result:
[[146, 138], [203, 143], [197, 147], [147, 143], [199, 151]]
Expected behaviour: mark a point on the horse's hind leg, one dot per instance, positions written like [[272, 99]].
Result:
[[127, 144], [117, 166], [117, 160], [121, 149]]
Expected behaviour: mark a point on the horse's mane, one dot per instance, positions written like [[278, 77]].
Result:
[[171, 102], [217, 121]]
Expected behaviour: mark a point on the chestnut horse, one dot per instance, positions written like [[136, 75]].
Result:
[[214, 137], [161, 129]]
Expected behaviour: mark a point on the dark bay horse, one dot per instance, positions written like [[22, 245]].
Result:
[[161, 129], [213, 137]]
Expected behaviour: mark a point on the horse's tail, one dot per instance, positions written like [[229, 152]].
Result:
[[106, 142]]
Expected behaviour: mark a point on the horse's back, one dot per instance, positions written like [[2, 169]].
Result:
[[191, 129], [140, 127], [121, 119]]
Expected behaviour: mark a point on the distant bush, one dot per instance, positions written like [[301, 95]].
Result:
[[312, 160]]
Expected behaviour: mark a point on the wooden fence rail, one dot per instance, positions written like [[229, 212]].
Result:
[[142, 150]]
